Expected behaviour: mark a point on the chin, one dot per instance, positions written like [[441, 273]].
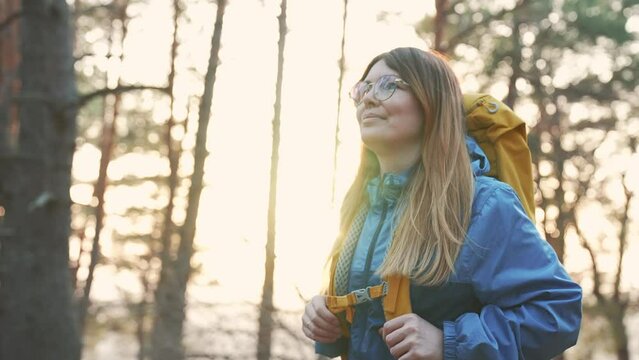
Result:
[[374, 140]]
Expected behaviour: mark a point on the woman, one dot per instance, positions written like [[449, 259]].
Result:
[[483, 284]]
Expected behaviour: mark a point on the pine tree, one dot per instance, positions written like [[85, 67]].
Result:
[[37, 122]]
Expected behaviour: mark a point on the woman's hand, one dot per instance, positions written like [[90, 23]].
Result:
[[318, 323], [409, 337]]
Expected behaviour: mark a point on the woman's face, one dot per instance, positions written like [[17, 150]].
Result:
[[394, 124]]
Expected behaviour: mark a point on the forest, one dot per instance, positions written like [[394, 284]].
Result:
[[171, 171]]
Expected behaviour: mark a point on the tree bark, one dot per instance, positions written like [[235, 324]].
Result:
[[171, 291], [37, 320], [9, 81], [265, 329]]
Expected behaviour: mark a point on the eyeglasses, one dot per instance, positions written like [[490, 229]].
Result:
[[383, 88]]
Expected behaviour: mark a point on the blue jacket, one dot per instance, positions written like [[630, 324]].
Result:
[[509, 297]]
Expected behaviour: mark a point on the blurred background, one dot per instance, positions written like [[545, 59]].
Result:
[[199, 151]]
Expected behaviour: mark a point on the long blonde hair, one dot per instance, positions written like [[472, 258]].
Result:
[[436, 204]]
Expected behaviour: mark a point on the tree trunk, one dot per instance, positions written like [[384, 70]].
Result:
[[623, 354], [111, 110], [108, 135], [36, 315], [440, 23], [266, 308], [10, 13], [516, 64], [556, 238], [173, 155], [140, 316], [339, 100], [619, 332], [171, 291], [619, 304]]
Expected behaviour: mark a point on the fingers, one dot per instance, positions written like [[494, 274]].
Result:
[[318, 323], [396, 323], [392, 325], [401, 351], [322, 324], [317, 327], [318, 334], [411, 337], [402, 345], [395, 337], [325, 315]]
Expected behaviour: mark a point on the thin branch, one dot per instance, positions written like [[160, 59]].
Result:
[[581, 191], [89, 10], [204, 356], [60, 105], [622, 236], [596, 289], [602, 124], [4, 24], [300, 296], [83, 99], [82, 56]]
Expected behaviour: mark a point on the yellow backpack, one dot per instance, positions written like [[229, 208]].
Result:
[[502, 136]]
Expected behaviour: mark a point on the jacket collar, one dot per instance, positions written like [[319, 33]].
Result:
[[478, 159], [388, 186]]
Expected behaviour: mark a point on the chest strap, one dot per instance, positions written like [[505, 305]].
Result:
[[340, 303]]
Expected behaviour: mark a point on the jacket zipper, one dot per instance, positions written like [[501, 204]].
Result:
[[371, 248]]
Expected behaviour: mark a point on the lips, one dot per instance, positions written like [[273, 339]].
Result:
[[370, 115]]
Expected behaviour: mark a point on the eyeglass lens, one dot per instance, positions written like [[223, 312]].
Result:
[[383, 88]]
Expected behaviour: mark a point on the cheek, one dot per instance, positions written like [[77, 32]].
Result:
[[413, 121]]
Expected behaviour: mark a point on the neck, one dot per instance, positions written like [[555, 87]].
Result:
[[396, 162]]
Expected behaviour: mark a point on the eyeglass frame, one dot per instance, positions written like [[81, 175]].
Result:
[[397, 81]]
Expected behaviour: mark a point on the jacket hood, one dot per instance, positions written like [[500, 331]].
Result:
[[478, 159]]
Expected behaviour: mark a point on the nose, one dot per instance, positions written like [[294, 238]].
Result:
[[369, 97]]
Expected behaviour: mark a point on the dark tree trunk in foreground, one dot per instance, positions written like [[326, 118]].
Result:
[[170, 297], [37, 320], [265, 329]]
